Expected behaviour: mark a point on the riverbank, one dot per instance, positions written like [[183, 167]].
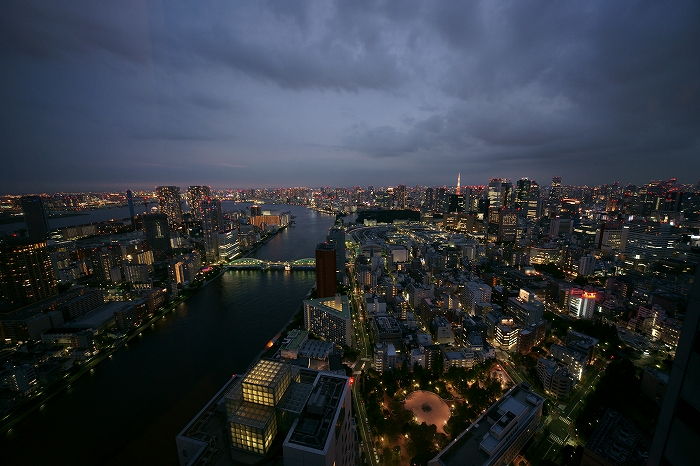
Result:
[[32, 404], [28, 406]]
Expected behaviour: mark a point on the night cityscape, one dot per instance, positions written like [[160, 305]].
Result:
[[350, 233]]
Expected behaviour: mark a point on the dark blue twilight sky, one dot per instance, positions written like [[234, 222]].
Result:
[[132, 94]]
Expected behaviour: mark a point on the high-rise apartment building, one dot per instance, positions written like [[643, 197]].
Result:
[[212, 224], [196, 196], [325, 270], [329, 318], [35, 217], [170, 203], [26, 273]]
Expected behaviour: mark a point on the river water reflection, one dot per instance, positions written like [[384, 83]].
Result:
[[134, 404]]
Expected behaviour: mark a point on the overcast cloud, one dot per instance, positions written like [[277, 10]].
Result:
[[105, 95]]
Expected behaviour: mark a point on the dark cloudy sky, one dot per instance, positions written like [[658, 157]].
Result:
[[132, 94]]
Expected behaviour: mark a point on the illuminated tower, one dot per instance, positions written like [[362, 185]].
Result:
[[35, 217], [459, 180], [170, 203]]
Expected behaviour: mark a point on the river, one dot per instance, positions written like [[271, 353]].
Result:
[[134, 404]]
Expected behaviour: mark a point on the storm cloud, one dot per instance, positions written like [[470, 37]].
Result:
[[97, 95]]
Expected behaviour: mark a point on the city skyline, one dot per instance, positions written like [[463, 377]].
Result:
[[137, 95]]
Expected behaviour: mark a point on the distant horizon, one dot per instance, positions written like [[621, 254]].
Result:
[[408, 185]]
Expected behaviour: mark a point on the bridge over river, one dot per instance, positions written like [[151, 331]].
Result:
[[258, 264]]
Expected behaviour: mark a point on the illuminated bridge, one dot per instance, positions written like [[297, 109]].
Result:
[[248, 263]]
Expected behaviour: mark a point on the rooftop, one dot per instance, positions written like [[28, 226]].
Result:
[[489, 436], [266, 373], [313, 427], [338, 305]]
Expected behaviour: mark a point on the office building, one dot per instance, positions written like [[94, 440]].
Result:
[[309, 409], [555, 190], [329, 318], [525, 309], [35, 217], [677, 431], [474, 293], [497, 436], [26, 273], [228, 244], [325, 270], [157, 233], [387, 329], [650, 241], [130, 203], [196, 195], [611, 236], [502, 225], [170, 204], [400, 196], [324, 433], [586, 266]]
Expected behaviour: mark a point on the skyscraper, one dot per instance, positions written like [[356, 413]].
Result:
[[459, 182], [35, 217], [500, 192], [212, 224], [678, 428], [325, 271], [26, 274], [157, 233], [555, 190], [130, 201], [400, 196], [336, 237], [197, 195], [170, 203]]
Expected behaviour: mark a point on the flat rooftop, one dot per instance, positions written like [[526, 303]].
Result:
[[315, 424], [483, 443], [297, 338], [97, 316]]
